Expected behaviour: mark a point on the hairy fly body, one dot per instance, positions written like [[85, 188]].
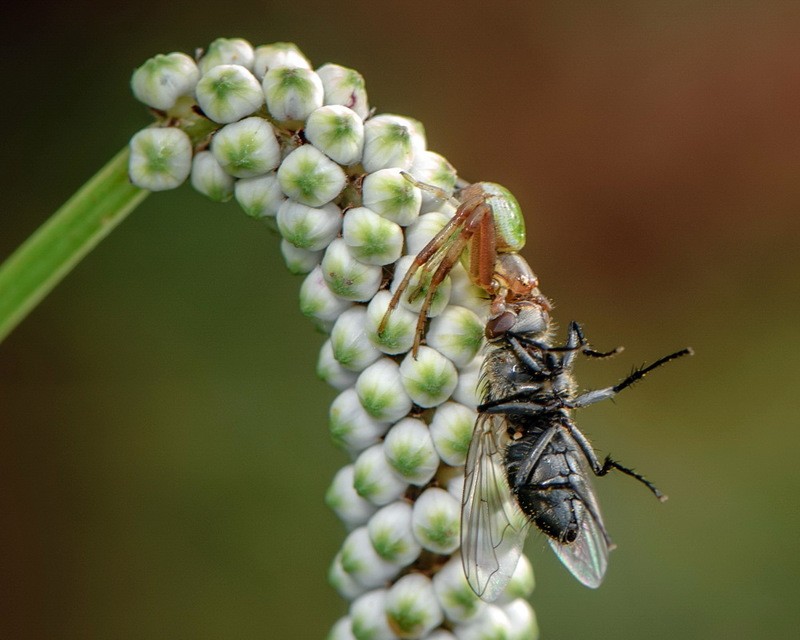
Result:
[[530, 464]]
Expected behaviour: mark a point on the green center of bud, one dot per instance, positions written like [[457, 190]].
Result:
[[440, 530], [158, 159], [406, 617]]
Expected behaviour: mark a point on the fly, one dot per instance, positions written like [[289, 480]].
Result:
[[529, 463]]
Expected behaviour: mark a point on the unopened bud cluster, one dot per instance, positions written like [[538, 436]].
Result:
[[302, 147]]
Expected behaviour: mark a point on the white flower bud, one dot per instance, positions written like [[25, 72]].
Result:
[[411, 607], [163, 79], [299, 261], [416, 131], [308, 227], [292, 93], [420, 232], [227, 51], [260, 197], [362, 563], [522, 619], [351, 427], [368, 616], [468, 390], [391, 535], [347, 277], [455, 596], [400, 330], [381, 391], [466, 294], [350, 347], [409, 449], [345, 87], [341, 630], [247, 148], [492, 623], [431, 168], [440, 634], [450, 478], [342, 499], [387, 144], [390, 195], [415, 127], [455, 487], [278, 54], [371, 238], [436, 521], [338, 132], [161, 158], [457, 333], [374, 480], [430, 378], [317, 301], [228, 93], [210, 179], [330, 371], [343, 582], [414, 295], [521, 584], [451, 432], [308, 176]]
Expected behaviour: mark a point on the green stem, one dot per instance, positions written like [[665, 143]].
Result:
[[58, 245]]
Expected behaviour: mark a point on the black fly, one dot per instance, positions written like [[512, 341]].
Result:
[[528, 461]]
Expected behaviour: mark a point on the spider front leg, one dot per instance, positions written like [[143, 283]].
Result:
[[475, 234], [472, 222]]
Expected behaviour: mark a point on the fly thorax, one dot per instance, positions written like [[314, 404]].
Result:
[[503, 374]]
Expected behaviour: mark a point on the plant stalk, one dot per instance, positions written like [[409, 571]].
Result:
[[40, 263]]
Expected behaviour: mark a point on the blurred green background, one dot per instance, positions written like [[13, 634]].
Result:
[[163, 439]]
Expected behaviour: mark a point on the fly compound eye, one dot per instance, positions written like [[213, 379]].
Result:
[[499, 326], [531, 319]]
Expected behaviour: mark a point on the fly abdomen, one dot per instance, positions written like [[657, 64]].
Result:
[[551, 493], [551, 509]]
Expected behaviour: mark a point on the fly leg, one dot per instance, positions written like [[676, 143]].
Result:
[[524, 356], [525, 469], [638, 374], [576, 342], [609, 464], [507, 406], [596, 395], [584, 343]]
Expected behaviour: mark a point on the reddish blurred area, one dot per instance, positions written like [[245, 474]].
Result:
[[649, 131]]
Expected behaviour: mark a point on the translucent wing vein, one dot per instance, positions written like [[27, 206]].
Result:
[[493, 528]]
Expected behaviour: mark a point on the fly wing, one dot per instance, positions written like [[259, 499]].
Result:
[[493, 528], [587, 556]]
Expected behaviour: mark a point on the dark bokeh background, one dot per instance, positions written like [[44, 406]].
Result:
[[163, 440]]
